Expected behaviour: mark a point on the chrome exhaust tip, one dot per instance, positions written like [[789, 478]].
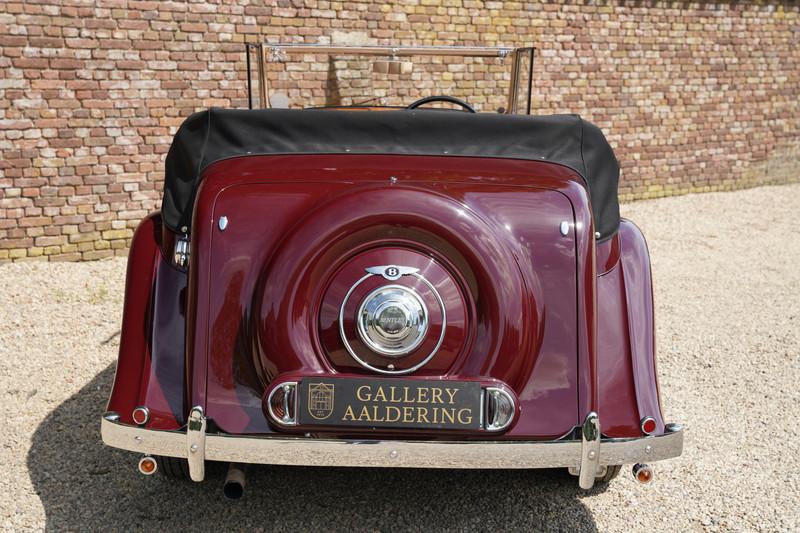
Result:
[[233, 488], [642, 473]]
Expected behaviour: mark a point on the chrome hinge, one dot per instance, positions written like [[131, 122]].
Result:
[[181, 257]]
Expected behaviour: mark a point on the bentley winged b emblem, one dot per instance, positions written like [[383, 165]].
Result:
[[392, 272], [320, 400]]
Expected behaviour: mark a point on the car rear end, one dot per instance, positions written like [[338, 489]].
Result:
[[373, 309]]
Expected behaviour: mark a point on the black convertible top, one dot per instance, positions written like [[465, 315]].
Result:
[[216, 134]]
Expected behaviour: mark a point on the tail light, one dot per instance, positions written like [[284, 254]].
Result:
[[642, 473], [282, 403], [148, 465], [141, 415], [648, 425]]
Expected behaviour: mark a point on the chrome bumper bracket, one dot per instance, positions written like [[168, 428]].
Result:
[[590, 451], [196, 444]]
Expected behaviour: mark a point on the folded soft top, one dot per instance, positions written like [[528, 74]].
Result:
[[216, 134]]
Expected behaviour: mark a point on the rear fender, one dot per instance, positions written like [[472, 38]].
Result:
[[151, 355], [628, 385]]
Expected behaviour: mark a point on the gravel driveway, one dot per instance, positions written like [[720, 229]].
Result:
[[727, 282]]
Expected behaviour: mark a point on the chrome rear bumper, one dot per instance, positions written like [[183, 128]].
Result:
[[197, 446]]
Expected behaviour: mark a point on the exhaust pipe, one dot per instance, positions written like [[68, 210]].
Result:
[[233, 489]]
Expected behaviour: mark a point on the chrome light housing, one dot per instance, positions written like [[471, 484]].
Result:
[[500, 409], [282, 403]]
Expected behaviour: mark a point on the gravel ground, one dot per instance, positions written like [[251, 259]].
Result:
[[727, 282]]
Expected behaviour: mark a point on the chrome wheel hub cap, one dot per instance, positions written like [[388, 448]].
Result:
[[392, 320]]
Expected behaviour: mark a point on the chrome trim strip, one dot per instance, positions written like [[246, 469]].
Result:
[[195, 444], [514, 84], [483, 406], [263, 102], [301, 451], [590, 451], [278, 49]]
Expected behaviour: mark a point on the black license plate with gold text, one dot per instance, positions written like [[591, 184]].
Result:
[[390, 403]]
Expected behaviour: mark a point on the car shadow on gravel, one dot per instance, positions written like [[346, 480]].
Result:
[[86, 486]]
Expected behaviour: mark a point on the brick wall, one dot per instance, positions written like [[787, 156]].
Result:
[[694, 96]]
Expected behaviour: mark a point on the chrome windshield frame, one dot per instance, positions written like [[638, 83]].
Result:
[[276, 52]]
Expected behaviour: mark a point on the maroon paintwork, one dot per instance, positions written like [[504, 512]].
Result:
[[527, 308], [151, 352], [626, 345]]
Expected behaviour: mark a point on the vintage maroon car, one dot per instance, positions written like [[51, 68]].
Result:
[[397, 288]]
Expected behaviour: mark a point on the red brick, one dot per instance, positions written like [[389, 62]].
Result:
[[25, 242], [89, 98]]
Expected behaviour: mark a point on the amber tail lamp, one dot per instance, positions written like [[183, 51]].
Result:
[[642, 473], [148, 465]]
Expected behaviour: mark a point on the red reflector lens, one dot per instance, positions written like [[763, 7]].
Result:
[[141, 415], [281, 403], [276, 402]]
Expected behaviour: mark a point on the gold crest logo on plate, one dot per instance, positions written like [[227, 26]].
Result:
[[320, 400]]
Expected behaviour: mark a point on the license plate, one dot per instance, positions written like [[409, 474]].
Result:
[[390, 403]]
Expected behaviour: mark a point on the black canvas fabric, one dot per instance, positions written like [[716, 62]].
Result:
[[216, 134]]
